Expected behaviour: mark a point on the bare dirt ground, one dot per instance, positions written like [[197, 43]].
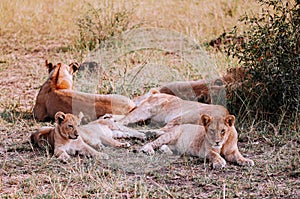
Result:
[[26, 172]]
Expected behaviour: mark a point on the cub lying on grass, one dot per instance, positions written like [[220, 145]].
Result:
[[215, 138], [64, 139], [69, 137]]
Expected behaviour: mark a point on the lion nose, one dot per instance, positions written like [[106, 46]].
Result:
[[217, 143]]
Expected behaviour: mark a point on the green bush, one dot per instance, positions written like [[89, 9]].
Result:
[[271, 54]]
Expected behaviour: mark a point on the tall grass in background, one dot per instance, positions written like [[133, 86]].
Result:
[[67, 22], [101, 23]]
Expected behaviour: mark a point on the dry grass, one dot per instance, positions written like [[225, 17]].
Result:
[[32, 31]]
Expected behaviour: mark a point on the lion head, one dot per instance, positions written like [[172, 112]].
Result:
[[61, 75], [217, 129], [67, 125]]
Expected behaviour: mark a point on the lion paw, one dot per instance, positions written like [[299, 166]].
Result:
[[246, 162], [165, 149], [102, 156], [141, 136], [219, 163], [125, 145], [63, 157], [148, 149], [99, 146]]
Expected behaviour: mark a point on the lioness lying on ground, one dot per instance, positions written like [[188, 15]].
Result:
[[64, 139], [176, 115], [216, 137], [206, 91], [164, 109], [56, 94]]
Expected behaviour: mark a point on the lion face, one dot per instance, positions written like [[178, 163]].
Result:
[[67, 125], [217, 129]]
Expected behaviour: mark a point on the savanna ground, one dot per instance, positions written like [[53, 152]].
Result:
[[32, 31]]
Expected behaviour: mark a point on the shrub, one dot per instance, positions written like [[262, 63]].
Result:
[[99, 24], [271, 54]]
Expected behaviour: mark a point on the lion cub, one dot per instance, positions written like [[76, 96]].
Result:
[[217, 136], [64, 139]]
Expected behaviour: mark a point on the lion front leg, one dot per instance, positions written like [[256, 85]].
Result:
[[109, 141], [231, 152], [61, 154], [86, 150], [236, 157], [217, 161], [164, 139], [121, 131], [128, 134], [137, 115]]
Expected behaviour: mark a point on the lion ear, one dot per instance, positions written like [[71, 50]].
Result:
[[74, 66], [205, 120], [59, 117], [229, 120], [49, 66]]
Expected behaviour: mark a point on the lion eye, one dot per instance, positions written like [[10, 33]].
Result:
[[212, 131], [70, 126], [223, 131]]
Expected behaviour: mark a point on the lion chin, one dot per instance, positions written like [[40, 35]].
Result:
[[216, 146]]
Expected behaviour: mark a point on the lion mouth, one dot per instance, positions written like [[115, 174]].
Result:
[[73, 137], [217, 146]]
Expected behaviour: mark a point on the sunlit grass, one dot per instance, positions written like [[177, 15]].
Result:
[[43, 20]]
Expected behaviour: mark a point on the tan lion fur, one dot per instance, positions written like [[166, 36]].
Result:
[[64, 139], [56, 94], [205, 91], [200, 91], [164, 109], [96, 134], [103, 132], [216, 137]]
